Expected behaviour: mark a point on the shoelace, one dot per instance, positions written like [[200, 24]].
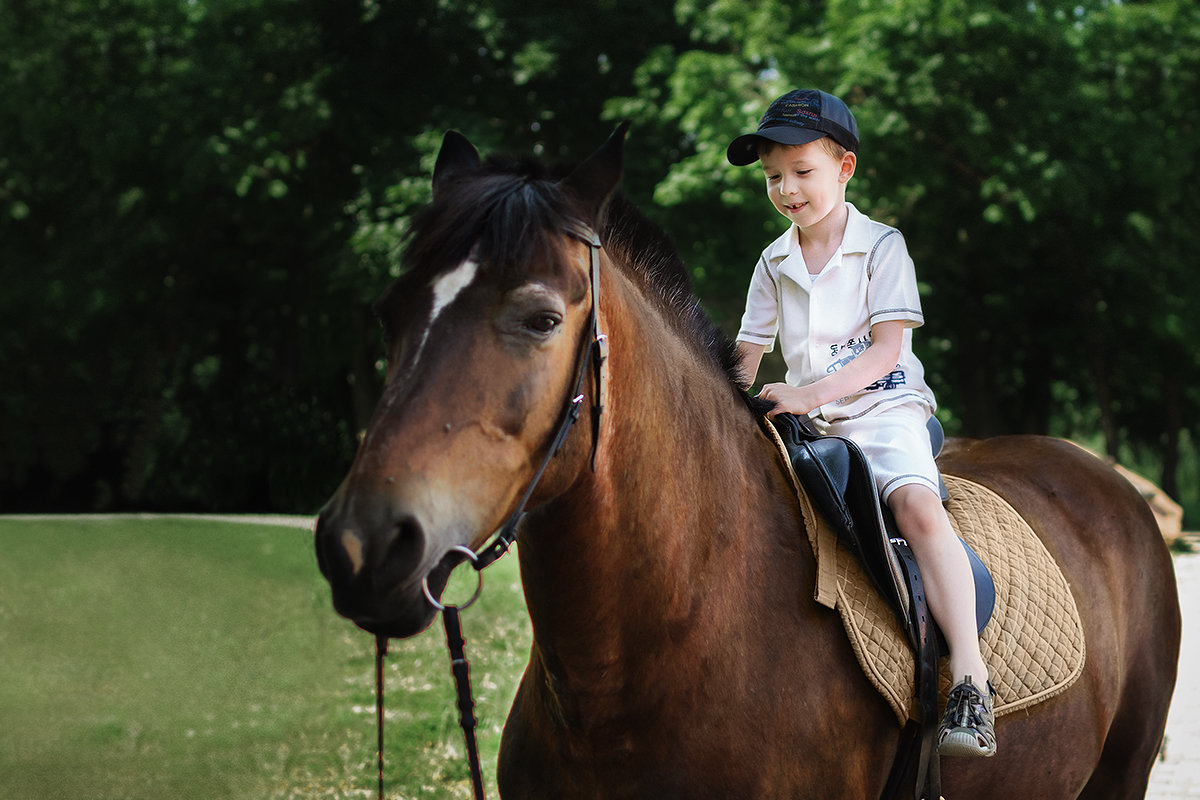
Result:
[[969, 707]]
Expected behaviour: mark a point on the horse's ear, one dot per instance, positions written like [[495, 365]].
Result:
[[457, 153], [593, 182]]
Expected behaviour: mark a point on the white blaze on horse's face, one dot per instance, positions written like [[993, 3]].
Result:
[[446, 287]]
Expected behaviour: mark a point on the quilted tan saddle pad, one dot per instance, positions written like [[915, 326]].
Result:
[[1033, 646]]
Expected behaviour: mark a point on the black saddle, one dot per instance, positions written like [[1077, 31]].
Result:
[[838, 479]]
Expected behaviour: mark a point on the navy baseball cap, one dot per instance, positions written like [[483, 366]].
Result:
[[799, 117]]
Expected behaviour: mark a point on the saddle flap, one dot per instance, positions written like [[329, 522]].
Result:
[[837, 478], [824, 466], [985, 588], [839, 481]]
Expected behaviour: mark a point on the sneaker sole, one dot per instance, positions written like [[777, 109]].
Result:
[[963, 743]]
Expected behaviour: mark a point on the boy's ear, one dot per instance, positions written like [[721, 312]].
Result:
[[849, 162]]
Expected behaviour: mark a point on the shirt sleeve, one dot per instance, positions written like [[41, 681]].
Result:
[[892, 283], [760, 322]]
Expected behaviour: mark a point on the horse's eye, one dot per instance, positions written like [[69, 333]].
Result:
[[543, 323]]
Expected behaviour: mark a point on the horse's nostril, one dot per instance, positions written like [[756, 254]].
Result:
[[402, 552], [333, 559]]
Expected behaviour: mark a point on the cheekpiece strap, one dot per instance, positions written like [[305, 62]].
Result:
[[594, 349], [599, 356]]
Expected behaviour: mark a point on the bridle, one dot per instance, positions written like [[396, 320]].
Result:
[[593, 355], [593, 351]]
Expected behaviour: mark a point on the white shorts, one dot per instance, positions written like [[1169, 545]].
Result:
[[896, 444]]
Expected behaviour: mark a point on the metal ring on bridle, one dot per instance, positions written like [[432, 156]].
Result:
[[469, 553]]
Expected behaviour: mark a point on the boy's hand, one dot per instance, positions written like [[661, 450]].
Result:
[[792, 399], [872, 364]]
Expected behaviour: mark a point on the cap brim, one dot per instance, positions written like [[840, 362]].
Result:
[[744, 149]]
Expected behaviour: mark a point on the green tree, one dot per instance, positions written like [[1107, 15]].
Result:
[[1143, 73], [168, 225], [1038, 159], [199, 198]]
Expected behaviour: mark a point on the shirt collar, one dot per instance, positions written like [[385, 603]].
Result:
[[856, 239]]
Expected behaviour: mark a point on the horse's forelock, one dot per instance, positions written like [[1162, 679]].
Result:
[[505, 213], [500, 216]]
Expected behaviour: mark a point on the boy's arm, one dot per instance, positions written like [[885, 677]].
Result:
[[872, 364], [749, 357]]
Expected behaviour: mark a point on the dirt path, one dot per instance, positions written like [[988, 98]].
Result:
[[1178, 775], [283, 520]]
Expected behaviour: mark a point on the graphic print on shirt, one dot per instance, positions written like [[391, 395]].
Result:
[[852, 350], [892, 380]]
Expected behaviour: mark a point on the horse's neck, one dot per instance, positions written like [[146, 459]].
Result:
[[683, 511]]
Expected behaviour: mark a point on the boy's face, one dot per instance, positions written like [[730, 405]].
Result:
[[805, 182]]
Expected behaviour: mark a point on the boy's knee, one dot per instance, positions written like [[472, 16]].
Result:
[[918, 511]]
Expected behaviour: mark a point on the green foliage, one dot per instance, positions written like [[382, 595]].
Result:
[[198, 201], [168, 161], [1038, 159]]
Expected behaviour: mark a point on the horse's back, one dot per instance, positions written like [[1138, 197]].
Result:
[[1108, 544], [1089, 517]]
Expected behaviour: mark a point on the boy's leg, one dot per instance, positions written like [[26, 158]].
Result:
[[897, 445], [968, 726], [946, 573]]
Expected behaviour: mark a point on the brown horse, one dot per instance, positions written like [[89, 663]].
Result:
[[677, 649]]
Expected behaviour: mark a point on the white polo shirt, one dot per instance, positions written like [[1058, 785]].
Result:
[[823, 323]]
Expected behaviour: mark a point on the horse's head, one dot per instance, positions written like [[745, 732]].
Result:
[[486, 331]]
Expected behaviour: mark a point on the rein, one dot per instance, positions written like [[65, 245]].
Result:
[[593, 353]]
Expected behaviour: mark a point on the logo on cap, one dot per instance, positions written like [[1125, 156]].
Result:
[[798, 117]]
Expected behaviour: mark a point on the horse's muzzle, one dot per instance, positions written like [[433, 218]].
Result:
[[375, 573]]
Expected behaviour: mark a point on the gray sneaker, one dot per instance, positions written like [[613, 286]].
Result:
[[968, 729]]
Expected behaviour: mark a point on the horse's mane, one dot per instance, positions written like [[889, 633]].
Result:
[[665, 278], [506, 211]]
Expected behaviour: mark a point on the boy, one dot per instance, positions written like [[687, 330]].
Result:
[[840, 292]]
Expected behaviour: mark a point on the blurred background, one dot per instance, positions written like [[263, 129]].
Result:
[[200, 198]]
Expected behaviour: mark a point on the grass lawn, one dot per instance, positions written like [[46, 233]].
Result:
[[181, 658]]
